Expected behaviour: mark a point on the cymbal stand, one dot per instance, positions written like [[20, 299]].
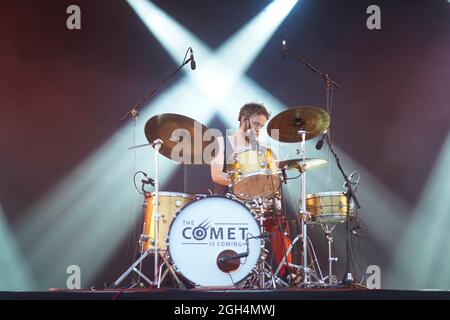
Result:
[[263, 271], [332, 280], [133, 112], [303, 213], [157, 145], [317, 278]]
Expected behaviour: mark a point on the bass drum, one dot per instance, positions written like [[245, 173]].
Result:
[[205, 237]]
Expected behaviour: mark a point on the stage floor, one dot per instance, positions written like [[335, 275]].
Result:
[[227, 294]]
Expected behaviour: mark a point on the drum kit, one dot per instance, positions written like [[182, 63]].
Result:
[[206, 240]]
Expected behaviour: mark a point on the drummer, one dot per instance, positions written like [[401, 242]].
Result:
[[252, 118]]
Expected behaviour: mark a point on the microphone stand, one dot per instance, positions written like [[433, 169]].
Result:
[[157, 145], [134, 110], [330, 84], [348, 279]]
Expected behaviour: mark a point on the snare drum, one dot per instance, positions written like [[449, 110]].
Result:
[[327, 207], [169, 204], [254, 174], [206, 234]]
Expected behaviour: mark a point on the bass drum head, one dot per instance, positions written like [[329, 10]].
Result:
[[207, 230]]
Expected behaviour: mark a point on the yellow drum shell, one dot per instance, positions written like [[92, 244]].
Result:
[[169, 204], [327, 207], [254, 174]]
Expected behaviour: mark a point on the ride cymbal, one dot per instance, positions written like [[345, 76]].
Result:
[[313, 120], [182, 137]]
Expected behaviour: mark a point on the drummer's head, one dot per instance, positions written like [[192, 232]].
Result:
[[254, 115]]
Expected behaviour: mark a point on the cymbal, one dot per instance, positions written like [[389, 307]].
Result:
[[182, 137], [314, 120], [298, 164]]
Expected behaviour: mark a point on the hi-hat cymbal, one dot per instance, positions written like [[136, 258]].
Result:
[[313, 120], [298, 164], [182, 137]]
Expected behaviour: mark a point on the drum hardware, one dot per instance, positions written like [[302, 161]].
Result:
[[263, 270], [328, 229], [330, 84], [299, 124], [164, 127], [303, 212], [134, 110], [350, 178], [157, 282], [256, 180], [253, 173], [312, 120], [328, 207], [157, 143], [229, 261], [147, 240], [299, 165], [159, 131], [314, 278], [169, 204], [197, 241], [351, 196]]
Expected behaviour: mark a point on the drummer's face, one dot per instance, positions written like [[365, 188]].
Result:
[[257, 122]]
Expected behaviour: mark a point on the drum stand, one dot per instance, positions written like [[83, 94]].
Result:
[[317, 279], [157, 281], [155, 250], [308, 273], [331, 279], [264, 277], [310, 277]]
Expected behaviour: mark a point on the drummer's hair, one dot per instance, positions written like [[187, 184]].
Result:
[[251, 109]]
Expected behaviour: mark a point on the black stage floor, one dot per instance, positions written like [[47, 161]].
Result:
[[227, 294]]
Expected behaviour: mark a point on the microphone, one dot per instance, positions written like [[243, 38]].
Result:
[[283, 171], [193, 64], [264, 235], [283, 49], [148, 180], [234, 256], [353, 231], [319, 143], [353, 183], [250, 136], [252, 139]]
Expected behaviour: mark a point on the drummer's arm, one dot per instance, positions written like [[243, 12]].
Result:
[[217, 175]]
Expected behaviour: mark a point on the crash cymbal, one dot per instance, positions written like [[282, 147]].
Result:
[[297, 164], [182, 137], [314, 120]]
